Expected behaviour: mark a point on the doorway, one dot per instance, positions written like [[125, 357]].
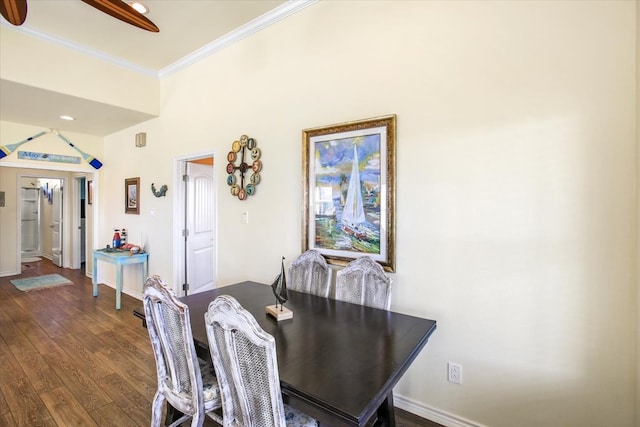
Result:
[[79, 211], [57, 228], [41, 218], [30, 222], [194, 207], [70, 199]]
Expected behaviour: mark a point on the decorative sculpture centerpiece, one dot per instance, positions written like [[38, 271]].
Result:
[[279, 287]]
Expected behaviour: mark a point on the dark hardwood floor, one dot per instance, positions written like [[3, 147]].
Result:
[[69, 359]]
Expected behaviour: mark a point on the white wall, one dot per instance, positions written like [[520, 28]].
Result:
[[516, 186], [516, 182], [11, 168], [101, 81]]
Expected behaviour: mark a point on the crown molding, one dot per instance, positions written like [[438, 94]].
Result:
[[25, 29], [252, 27]]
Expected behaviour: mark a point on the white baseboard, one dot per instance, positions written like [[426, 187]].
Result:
[[432, 414], [134, 294], [9, 273]]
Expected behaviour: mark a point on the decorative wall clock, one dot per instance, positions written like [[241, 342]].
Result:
[[244, 150]]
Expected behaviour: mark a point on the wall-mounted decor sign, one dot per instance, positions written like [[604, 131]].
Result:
[[243, 184], [6, 150], [132, 196], [349, 190], [47, 157]]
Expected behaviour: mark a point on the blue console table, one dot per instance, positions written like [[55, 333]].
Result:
[[119, 258]]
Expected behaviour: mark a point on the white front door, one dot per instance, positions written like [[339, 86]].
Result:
[[200, 221], [57, 226]]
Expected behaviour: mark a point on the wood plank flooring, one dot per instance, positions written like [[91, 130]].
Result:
[[69, 359]]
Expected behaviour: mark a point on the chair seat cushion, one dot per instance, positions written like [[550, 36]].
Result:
[[210, 389], [296, 418]]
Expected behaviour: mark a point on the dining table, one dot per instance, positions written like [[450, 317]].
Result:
[[338, 362]]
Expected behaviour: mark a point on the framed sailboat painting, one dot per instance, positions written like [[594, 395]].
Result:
[[349, 190]]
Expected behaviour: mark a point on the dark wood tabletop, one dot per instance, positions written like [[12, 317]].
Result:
[[338, 362]]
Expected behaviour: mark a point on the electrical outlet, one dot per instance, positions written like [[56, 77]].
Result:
[[454, 371]]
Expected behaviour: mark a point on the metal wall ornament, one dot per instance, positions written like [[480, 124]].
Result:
[[159, 193], [244, 150]]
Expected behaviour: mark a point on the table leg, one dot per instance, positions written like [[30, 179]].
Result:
[[118, 285], [95, 277], [145, 273], [386, 413]]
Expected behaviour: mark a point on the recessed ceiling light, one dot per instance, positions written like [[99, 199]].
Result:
[[139, 7], [67, 118]]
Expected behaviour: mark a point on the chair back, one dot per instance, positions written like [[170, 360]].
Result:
[[310, 273], [244, 357], [179, 376], [363, 281]]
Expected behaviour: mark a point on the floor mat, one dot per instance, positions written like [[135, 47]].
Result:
[[40, 282]]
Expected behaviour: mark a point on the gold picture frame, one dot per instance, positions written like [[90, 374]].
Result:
[[349, 172], [132, 196]]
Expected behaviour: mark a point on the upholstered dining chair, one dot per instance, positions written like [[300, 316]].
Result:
[[310, 273], [245, 360], [363, 281], [186, 382]]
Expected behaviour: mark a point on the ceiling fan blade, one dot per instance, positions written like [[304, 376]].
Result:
[[122, 11], [14, 11]]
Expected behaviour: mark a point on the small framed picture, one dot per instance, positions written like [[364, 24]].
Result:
[[131, 196]]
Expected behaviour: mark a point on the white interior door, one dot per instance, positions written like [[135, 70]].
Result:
[[200, 226], [57, 226], [77, 221]]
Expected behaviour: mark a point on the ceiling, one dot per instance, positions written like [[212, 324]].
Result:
[[189, 30]]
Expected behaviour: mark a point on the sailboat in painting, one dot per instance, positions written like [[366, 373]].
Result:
[[353, 216]]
